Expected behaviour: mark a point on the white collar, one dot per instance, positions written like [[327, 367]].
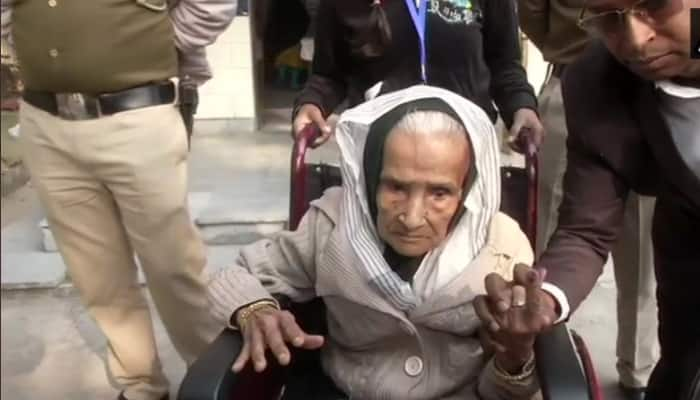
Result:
[[676, 90]]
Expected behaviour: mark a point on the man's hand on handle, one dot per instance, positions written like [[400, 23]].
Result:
[[273, 329], [311, 114], [514, 313]]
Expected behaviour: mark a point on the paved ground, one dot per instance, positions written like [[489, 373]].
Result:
[[52, 349]]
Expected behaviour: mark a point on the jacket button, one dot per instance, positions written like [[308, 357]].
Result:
[[413, 366], [53, 53], [52, 3]]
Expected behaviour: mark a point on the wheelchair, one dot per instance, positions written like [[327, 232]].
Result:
[[564, 366]]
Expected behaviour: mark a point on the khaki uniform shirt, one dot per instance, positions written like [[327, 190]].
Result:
[[106, 45], [552, 25], [93, 46]]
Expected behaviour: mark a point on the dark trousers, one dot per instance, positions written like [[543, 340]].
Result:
[[676, 235]]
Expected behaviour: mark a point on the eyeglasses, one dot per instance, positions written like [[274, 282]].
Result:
[[611, 22]]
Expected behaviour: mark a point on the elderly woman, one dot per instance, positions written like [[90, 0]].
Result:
[[397, 254]]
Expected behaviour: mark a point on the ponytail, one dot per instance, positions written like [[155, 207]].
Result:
[[377, 37]]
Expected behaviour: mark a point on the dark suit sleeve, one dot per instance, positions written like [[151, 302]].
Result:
[[326, 87], [593, 203], [509, 86]]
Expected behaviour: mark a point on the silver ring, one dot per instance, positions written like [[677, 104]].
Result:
[[520, 303]]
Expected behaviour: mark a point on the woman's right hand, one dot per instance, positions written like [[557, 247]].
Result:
[[311, 114], [515, 312], [270, 328]]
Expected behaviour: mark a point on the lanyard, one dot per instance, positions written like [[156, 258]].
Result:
[[418, 10]]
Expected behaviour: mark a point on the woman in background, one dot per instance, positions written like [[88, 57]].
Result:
[[471, 47]]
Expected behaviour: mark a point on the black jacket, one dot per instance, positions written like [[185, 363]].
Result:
[[473, 49]]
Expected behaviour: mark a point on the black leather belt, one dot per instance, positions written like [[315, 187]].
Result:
[[79, 106], [558, 70]]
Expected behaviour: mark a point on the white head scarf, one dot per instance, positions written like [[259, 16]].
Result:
[[468, 236]]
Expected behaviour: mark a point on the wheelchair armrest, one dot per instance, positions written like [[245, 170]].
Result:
[[211, 373], [210, 377], [558, 367]]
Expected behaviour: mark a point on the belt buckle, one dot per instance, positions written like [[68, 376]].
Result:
[[77, 106]]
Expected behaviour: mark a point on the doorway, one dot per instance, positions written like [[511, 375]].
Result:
[[278, 27]]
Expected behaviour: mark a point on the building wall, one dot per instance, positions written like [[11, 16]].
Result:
[[535, 65], [230, 94]]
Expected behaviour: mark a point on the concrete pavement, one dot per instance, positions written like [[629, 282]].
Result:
[[52, 349]]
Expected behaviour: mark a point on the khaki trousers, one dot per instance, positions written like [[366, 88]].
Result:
[[637, 344], [112, 187]]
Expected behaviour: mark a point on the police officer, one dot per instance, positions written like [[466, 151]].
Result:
[[106, 147]]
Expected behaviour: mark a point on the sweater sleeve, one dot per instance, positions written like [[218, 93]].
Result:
[[523, 253], [284, 264], [514, 243], [512, 246], [326, 87], [198, 23], [509, 86]]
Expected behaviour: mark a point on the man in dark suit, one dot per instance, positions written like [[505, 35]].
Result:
[[633, 114]]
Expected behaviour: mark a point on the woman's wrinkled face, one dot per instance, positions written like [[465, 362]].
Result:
[[420, 189]]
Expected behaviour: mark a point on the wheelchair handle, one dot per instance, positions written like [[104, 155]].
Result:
[[302, 143]]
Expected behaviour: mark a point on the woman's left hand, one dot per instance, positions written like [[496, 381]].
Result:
[[516, 340], [509, 358], [517, 323], [525, 118], [513, 345]]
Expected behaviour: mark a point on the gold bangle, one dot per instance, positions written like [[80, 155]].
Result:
[[244, 314], [526, 371]]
